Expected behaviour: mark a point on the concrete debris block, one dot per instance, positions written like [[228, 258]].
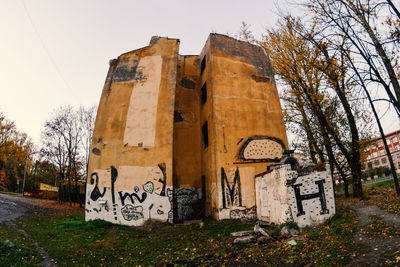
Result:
[[241, 233], [8, 243], [258, 230], [263, 223], [292, 242], [263, 239], [286, 230], [244, 239], [293, 231]]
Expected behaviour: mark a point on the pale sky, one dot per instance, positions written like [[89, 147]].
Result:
[[56, 52]]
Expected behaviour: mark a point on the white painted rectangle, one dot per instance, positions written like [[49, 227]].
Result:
[[142, 112]]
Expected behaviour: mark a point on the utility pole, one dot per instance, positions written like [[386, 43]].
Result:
[[26, 166], [34, 177]]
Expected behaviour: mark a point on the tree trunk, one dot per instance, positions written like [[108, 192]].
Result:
[[378, 122], [69, 180]]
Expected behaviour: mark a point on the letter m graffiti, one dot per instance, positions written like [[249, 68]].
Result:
[[231, 193]]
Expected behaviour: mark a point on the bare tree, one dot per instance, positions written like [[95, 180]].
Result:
[[245, 34], [362, 23], [370, 34], [66, 130], [87, 117], [53, 150]]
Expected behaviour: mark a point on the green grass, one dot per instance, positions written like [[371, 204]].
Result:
[[378, 184], [22, 254], [70, 240]]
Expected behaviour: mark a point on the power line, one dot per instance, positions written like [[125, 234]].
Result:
[[44, 46]]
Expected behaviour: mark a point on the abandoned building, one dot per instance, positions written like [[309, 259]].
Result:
[[181, 137]]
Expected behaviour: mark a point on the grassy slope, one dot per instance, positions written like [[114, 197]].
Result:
[[22, 254], [71, 241]]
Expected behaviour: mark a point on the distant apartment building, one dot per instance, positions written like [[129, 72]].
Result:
[[377, 156]]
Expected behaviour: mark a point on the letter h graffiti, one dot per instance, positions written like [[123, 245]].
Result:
[[320, 195]]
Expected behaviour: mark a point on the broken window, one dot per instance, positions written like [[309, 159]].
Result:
[[204, 135], [204, 94], [202, 65]]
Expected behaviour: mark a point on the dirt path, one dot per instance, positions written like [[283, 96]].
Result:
[[372, 248], [13, 206]]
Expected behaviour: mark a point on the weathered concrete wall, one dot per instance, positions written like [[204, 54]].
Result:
[[284, 196], [163, 146], [208, 154], [187, 141], [246, 127], [130, 167]]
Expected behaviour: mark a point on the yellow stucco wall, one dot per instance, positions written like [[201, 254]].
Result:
[[147, 159], [134, 134], [187, 136], [245, 104]]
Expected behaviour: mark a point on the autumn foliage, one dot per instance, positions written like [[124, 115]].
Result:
[[14, 147]]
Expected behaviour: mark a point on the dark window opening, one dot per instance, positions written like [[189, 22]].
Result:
[[204, 94], [202, 65], [369, 165], [204, 135], [178, 116]]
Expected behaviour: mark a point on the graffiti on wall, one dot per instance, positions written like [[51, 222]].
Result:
[[96, 194], [250, 213], [231, 193], [236, 195], [306, 200], [187, 201], [114, 175], [261, 148], [131, 207], [320, 195], [163, 180]]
